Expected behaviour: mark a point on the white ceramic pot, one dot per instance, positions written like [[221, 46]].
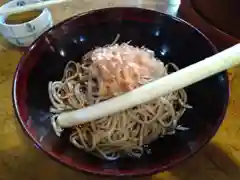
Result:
[[26, 33]]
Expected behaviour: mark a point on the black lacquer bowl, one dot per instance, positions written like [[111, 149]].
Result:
[[172, 39]]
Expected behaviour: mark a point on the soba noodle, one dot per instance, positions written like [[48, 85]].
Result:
[[107, 72]]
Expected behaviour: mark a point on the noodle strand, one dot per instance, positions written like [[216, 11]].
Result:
[[107, 72]]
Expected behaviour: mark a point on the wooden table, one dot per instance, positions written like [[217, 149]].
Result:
[[19, 159]]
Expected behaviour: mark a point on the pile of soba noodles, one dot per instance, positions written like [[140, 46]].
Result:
[[110, 71]]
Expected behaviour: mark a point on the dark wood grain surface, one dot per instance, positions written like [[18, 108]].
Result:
[[223, 14], [218, 19]]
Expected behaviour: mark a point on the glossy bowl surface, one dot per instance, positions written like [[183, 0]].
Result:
[[172, 39]]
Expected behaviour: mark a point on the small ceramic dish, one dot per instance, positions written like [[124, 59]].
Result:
[[23, 34]]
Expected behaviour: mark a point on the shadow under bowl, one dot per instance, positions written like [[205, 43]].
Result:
[[172, 39]]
